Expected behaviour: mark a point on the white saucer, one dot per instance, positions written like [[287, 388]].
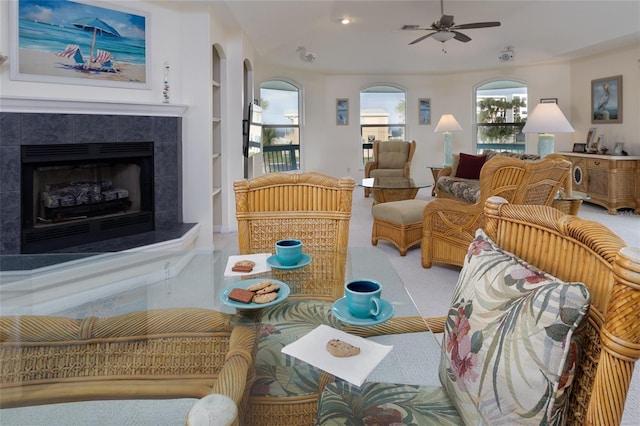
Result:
[[275, 263], [340, 311]]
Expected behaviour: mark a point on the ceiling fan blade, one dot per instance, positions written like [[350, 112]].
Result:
[[445, 21], [476, 25], [461, 37], [421, 38]]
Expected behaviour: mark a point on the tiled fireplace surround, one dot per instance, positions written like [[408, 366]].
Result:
[[18, 129]]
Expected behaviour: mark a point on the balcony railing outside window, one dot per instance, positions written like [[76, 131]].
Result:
[[515, 142], [372, 132], [281, 149]]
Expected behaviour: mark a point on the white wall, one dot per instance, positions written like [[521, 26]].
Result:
[[336, 150], [164, 47]]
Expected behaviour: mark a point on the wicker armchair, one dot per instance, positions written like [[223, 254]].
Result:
[[312, 207], [390, 158], [591, 254], [160, 354], [450, 225], [316, 209]]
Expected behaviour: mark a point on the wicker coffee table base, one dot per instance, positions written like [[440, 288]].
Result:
[[384, 195]]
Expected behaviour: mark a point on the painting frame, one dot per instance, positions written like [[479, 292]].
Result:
[[591, 139], [579, 147], [619, 148], [606, 100], [342, 111], [73, 50], [424, 111]]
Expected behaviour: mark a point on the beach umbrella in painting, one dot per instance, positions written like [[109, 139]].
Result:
[[98, 27]]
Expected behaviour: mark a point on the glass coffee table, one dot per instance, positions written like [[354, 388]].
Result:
[[112, 284], [387, 189]]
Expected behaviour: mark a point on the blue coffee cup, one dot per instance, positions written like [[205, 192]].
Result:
[[363, 298], [289, 252]]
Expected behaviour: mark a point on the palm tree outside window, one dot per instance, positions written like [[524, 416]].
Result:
[[501, 112]]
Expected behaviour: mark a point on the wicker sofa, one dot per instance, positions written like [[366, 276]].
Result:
[[156, 354], [468, 190], [607, 343], [449, 225]]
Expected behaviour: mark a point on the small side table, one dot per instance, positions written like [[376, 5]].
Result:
[[434, 171]]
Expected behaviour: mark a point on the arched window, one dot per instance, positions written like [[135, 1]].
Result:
[[280, 101], [501, 112], [382, 116]]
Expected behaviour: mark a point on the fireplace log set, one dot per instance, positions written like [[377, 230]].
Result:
[[80, 200]]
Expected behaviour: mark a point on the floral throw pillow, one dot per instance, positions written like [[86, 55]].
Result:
[[510, 343]]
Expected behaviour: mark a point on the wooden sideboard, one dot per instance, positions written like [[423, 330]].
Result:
[[612, 181]]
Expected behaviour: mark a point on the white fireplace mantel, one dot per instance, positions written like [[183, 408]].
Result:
[[72, 106]]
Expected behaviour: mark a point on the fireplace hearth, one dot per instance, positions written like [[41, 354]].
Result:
[[75, 194]]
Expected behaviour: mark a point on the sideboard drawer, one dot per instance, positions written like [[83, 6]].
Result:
[[594, 163]]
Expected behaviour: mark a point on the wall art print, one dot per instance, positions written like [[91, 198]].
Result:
[[606, 100], [68, 42], [342, 111], [424, 110]]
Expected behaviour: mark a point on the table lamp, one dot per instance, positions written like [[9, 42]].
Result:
[[546, 119], [446, 125]]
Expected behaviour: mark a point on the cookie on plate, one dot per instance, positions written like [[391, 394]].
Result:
[[243, 266], [269, 289], [340, 349], [241, 295], [265, 298], [259, 285]]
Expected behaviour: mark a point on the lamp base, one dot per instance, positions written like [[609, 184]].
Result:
[[448, 151], [545, 144]]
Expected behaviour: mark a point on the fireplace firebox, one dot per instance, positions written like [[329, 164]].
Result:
[[75, 194]]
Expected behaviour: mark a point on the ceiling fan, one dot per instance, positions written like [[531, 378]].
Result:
[[445, 29]]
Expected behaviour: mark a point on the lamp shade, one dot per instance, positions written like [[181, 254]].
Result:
[[547, 118], [448, 123]]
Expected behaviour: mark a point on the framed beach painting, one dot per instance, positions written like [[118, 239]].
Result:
[[606, 100], [70, 42], [424, 111]]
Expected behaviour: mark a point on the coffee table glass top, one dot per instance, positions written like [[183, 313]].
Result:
[[394, 183]]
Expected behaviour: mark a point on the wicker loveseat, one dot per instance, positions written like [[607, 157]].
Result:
[[156, 354], [449, 225], [605, 343], [468, 190]]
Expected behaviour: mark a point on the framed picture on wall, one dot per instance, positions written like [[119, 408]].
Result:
[[606, 100], [424, 111], [66, 42], [342, 111]]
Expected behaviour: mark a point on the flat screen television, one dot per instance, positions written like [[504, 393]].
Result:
[[252, 131]]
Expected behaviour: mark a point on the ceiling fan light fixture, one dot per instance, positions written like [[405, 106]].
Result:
[[443, 36]]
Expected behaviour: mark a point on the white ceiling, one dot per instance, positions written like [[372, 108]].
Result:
[[538, 30]]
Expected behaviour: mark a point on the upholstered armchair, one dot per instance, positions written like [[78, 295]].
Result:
[[450, 225], [390, 158], [550, 342]]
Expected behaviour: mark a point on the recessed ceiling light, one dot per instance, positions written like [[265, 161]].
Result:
[[345, 21]]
